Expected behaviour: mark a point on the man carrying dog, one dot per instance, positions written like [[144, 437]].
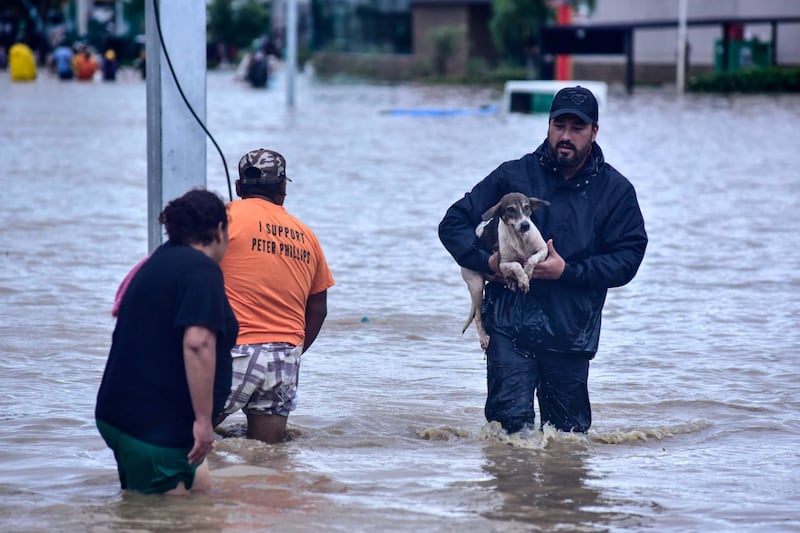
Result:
[[276, 279], [541, 342]]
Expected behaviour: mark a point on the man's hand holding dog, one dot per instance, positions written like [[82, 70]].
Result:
[[494, 263], [494, 266], [550, 268]]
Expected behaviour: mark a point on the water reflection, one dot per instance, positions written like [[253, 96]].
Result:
[[255, 486], [142, 512], [547, 488]]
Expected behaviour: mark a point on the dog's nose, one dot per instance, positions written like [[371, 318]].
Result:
[[525, 226]]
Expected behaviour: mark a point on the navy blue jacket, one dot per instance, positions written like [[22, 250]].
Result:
[[596, 225]]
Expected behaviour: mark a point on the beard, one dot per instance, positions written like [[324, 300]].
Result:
[[571, 158]]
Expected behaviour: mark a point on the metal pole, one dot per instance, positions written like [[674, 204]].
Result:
[[176, 144], [119, 19], [680, 75], [563, 61], [82, 14], [629, 66], [773, 53], [726, 47], [291, 49]]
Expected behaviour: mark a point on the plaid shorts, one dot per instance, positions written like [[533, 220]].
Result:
[[264, 378]]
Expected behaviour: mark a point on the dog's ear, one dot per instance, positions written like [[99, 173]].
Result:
[[490, 213], [536, 203]]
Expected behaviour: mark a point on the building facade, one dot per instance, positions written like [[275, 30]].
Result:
[[656, 50]]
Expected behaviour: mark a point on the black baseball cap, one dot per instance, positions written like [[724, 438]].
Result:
[[578, 101]]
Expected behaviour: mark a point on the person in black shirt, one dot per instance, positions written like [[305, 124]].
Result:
[[169, 371]]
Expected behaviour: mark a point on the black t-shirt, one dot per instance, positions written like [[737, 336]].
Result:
[[144, 391]]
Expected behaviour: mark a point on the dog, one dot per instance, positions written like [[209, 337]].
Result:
[[508, 229]]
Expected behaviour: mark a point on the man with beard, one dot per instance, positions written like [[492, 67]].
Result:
[[541, 342]]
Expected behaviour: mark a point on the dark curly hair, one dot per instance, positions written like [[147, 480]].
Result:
[[194, 217]]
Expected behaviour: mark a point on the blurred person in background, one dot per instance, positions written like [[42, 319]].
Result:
[[110, 65], [258, 70], [21, 63], [62, 61], [85, 64]]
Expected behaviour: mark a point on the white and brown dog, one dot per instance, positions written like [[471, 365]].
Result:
[[508, 229]]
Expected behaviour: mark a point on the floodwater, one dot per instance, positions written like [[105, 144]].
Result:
[[695, 389]]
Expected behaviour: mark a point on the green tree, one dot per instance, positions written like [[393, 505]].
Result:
[[237, 23], [252, 20], [220, 22], [134, 13], [445, 42], [515, 25]]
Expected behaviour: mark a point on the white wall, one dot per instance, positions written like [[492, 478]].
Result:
[[659, 46]]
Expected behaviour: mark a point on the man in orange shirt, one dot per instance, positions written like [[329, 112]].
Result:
[[276, 279]]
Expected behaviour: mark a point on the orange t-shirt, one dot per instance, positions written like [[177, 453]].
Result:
[[85, 67], [273, 263]]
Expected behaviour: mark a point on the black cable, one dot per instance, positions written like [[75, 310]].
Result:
[[186, 101]]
